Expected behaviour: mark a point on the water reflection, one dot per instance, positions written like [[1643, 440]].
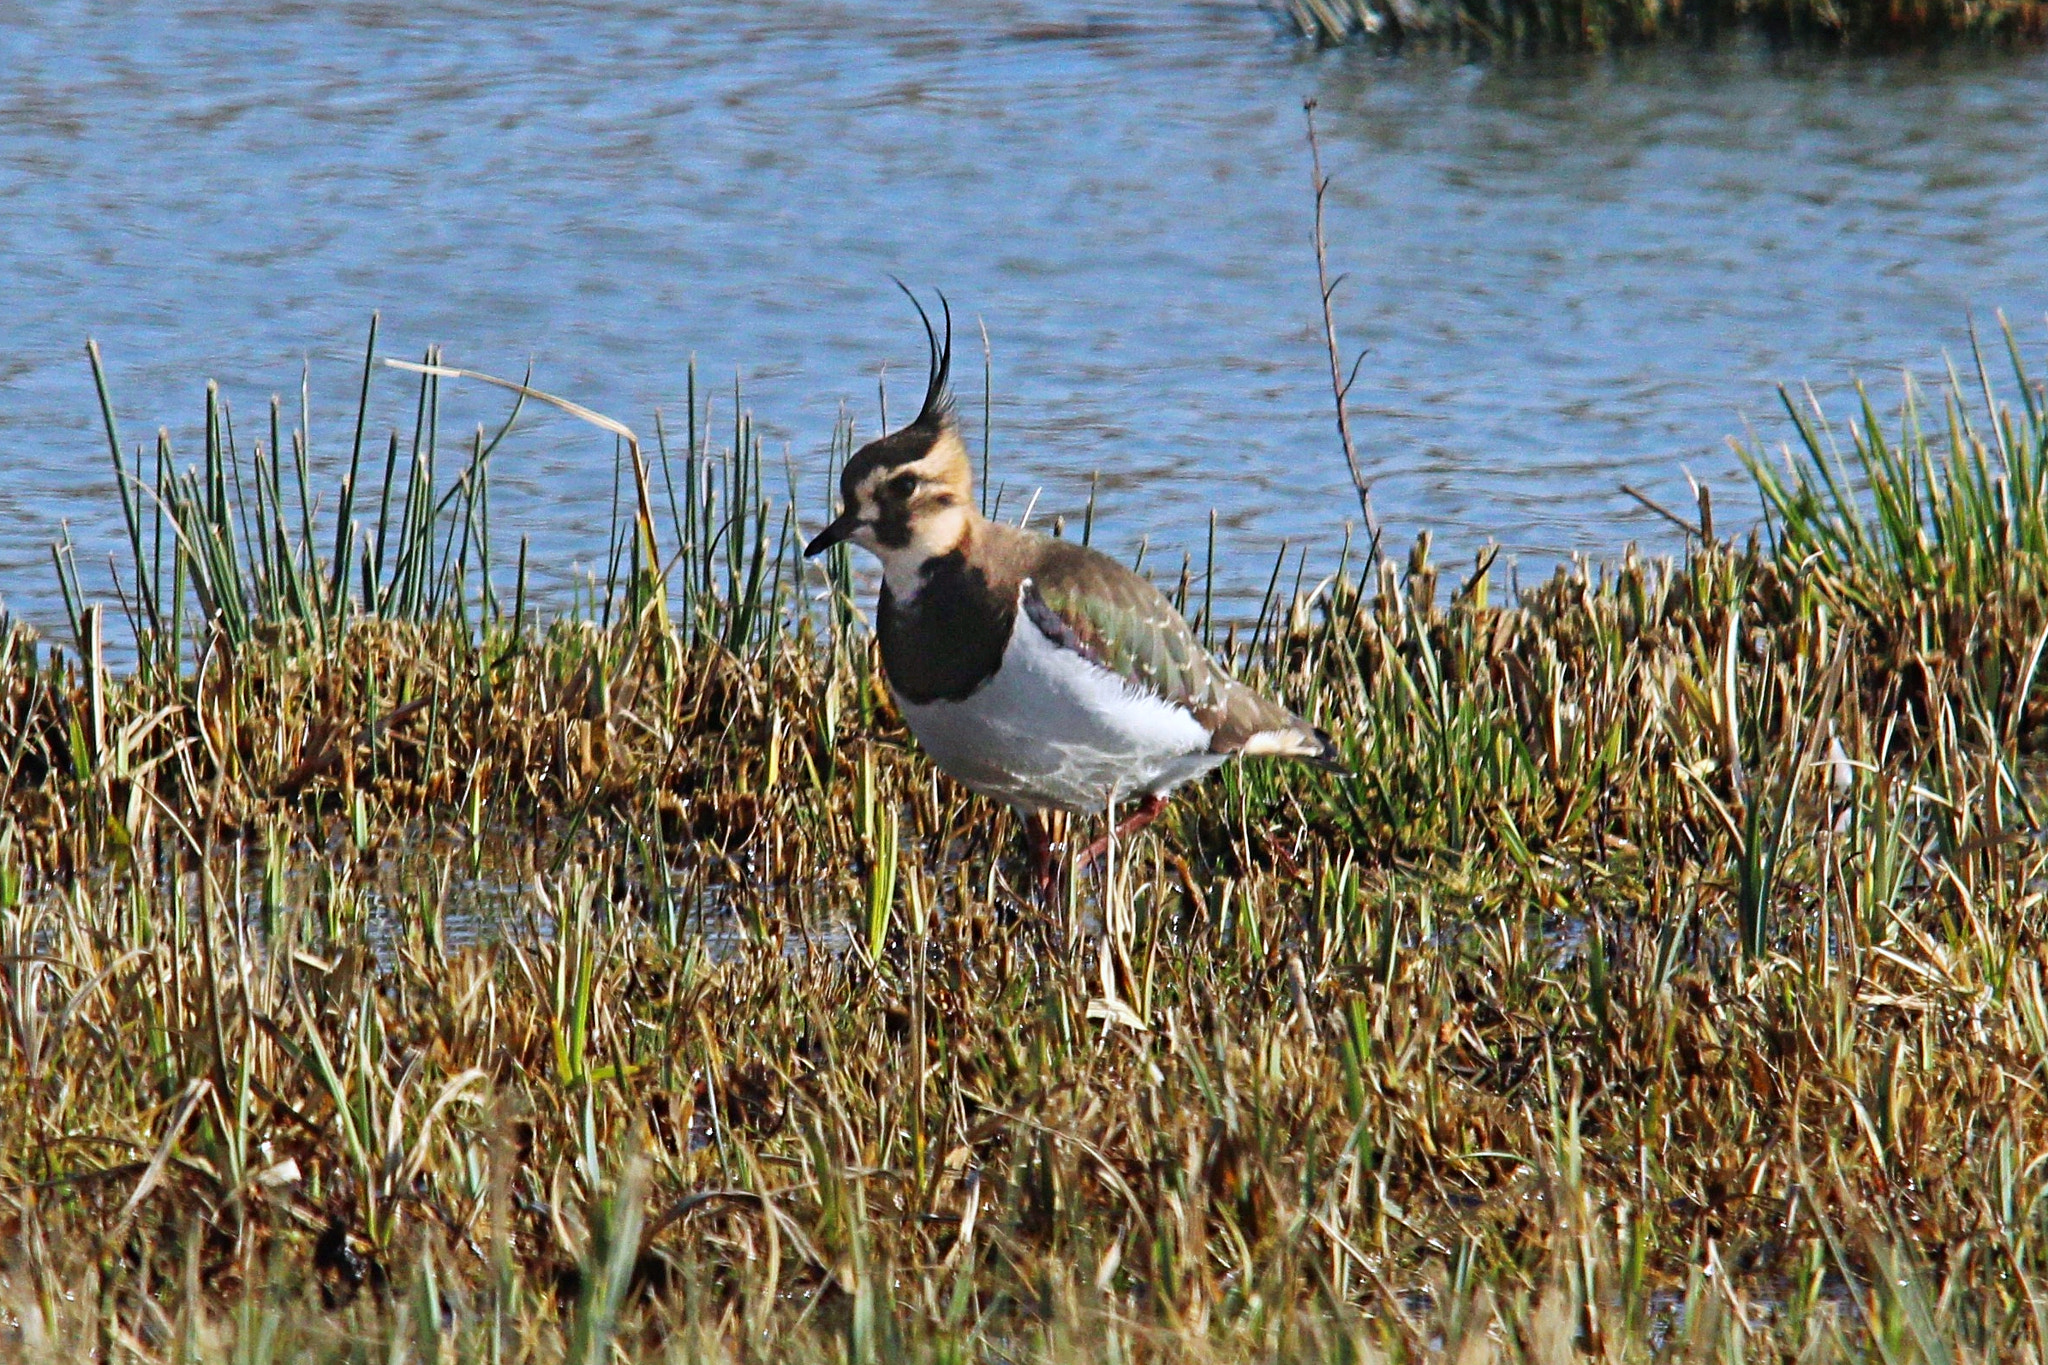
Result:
[[1569, 274]]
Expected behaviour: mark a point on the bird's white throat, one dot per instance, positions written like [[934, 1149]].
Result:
[[938, 533], [903, 571]]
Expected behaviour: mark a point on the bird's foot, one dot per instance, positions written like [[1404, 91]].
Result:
[[1047, 883], [1147, 811]]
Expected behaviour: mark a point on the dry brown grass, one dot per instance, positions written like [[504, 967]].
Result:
[[1668, 982]]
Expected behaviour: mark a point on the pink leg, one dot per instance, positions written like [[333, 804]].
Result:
[[1044, 866], [1147, 811]]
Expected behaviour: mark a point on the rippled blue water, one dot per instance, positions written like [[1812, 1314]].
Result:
[[1570, 274]]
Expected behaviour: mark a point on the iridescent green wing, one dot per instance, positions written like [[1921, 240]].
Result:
[[1093, 605]]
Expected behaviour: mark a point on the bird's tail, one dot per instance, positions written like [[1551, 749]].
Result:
[[1299, 740], [1327, 757]]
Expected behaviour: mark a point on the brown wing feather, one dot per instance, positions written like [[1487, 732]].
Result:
[[1091, 604]]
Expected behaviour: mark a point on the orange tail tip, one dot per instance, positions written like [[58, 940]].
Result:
[[1306, 742]]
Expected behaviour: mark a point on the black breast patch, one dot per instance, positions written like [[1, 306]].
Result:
[[950, 638]]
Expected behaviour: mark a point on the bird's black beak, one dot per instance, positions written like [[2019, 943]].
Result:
[[839, 530]]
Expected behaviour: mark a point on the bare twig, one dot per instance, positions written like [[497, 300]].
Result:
[[1479, 573], [577, 410], [1340, 385], [1676, 520]]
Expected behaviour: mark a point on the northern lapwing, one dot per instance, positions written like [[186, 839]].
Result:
[[1036, 671]]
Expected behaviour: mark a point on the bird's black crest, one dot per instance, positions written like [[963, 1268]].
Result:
[[911, 443], [938, 398]]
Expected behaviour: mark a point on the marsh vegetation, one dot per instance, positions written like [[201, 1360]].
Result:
[[1668, 980], [1532, 27]]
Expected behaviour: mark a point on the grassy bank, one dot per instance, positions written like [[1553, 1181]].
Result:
[[1527, 27], [1668, 982]]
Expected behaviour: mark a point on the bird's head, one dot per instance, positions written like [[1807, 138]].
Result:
[[909, 495]]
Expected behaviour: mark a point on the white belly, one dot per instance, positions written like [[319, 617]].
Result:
[[1051, 729]]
